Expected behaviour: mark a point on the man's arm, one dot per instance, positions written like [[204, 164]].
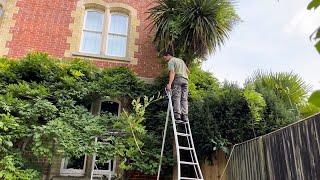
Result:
[[171, 78]]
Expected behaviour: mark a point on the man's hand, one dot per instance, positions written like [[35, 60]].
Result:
[[168, 87], [171, 78]]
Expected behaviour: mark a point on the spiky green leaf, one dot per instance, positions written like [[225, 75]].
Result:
[[314, 4]]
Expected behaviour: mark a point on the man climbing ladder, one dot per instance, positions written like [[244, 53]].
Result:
[[178, 75], [178, 81], [183, 145]]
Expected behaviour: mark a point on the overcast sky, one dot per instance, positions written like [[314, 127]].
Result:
[[274, 35]]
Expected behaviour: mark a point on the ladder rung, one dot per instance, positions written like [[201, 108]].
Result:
[[185, 148], [187, 178], [181, 122], [188, 163], [183, 134]]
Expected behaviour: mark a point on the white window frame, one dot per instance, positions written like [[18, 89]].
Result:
[[92, 31], [117, 34], [81, 172], [105, 34], [106, 173], [109, 172], [73, 172]]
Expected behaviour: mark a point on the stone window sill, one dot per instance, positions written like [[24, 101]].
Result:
[[99, 56], [71, 174]]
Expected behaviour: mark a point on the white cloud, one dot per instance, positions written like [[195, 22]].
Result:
[[272, 37], [303, 23]]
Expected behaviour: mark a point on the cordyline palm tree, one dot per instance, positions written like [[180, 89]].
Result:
[[192, 29], [288, 86]]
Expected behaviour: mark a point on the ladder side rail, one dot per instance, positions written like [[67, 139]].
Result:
[[92, 167], [163, 142], [93, 160], [195, 153], [191, 152], [110, 170], [175, 134]]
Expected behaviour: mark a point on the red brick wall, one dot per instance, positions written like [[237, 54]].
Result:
[[43, 25]]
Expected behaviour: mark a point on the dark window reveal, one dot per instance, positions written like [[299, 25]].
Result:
[[104, 166], [74, 163], [110, 107]]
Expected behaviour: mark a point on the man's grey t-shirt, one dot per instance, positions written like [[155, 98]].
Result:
[[178, 66]]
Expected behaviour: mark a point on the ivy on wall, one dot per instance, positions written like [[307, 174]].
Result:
[[44, 109]]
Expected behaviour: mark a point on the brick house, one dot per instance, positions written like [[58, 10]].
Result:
[[107, 32]]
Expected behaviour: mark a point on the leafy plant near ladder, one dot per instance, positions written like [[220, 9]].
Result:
[[44, 106], [256, 104], [316, 35], [222, 114], [313, 104], [9, 169], [192, 28], [285, 95], [315, 98]]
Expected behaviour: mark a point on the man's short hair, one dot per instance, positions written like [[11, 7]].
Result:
[[167, 53]]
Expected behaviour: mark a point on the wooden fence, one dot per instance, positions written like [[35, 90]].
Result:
[[290, 153]]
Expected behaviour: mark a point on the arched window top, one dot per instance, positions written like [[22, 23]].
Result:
[[125, 11], [120, 14], [99, 7], [112, 7]]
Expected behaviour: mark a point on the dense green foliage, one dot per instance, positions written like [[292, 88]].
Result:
[[192, 28], [288, 86], [315, 98], [313, 105], [10, 170], [45, 109], [222, 114]]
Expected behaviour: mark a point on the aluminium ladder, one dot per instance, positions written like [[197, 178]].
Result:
[[94, 167], [179, 148]]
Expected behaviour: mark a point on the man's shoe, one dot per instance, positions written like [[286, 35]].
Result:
[[185, 117], [177, 116]]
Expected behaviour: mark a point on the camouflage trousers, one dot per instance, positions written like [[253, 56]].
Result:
[[180, 98]]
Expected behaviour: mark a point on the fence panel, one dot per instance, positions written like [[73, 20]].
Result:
[[291, 153]]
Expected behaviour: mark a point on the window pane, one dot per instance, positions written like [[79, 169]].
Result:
[[103, 165], [117, 45], [119, 24], [109, 107], [91, 42], [74, 163], [94, 21]]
